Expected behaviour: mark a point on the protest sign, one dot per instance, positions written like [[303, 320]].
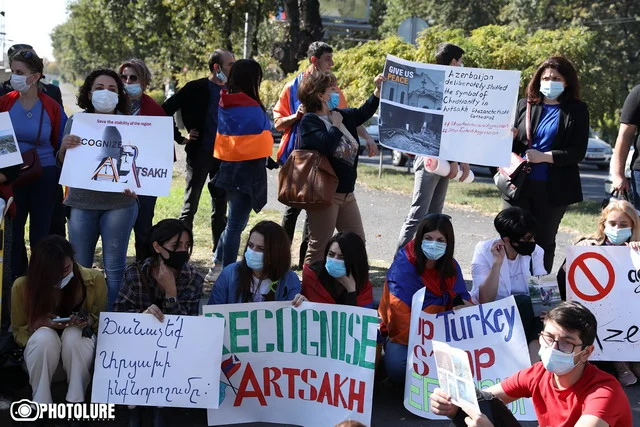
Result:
[[9, 149], [606, 280], [454, 113], [492, 337], [142, 361], [120, 152], [312, 365]]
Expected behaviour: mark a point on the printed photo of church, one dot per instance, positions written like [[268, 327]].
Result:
[[425, 89], [411, 131]]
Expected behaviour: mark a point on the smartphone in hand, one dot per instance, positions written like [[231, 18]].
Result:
[[61, 319]]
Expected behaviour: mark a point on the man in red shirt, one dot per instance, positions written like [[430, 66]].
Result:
[[566, 389]]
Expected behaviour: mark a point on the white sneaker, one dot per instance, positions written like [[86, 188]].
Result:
[[213, 273]]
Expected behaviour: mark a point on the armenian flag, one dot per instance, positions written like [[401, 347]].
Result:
[[244, 130]]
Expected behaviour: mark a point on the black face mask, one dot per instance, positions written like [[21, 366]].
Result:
[[524, 248], [176, 259]]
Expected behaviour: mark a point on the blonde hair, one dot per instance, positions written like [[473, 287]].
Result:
[[618, 206]]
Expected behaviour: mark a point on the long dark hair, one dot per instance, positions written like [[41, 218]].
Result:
[[277, 258], [564, 67], [46, 270], [162, 232], [354, 254], [245, 76], [83, 94], [442, 223]]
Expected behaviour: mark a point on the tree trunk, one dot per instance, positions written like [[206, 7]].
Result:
[[286, 51], [256, 25]]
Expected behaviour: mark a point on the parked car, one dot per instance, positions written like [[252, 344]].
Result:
[[371, 126], [598, 153]]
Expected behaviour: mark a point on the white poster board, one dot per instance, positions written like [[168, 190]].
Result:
[[493, 338], [9, 148], [311, 366], [120, 152], [142, 361], [454, 113], [606, 280]]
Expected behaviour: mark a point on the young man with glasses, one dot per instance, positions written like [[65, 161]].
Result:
[[565, 388]]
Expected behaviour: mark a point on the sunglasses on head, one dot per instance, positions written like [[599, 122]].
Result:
[[18, 47], [131, 78], [25, 54]]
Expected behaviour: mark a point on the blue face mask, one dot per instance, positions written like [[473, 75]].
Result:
[[133, 89], [220, 76], [433, 250], [335, 267], [334, 101], [617, 236], [551, 89], [556, 361], [255, 260]]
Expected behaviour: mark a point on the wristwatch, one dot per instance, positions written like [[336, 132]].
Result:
[[170, 301]]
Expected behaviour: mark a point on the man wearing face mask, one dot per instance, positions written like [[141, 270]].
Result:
[[502, 267], [198, 102], [565, 388]]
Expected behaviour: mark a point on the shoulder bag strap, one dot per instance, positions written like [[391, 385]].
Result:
[[528, 125], [40, 125]]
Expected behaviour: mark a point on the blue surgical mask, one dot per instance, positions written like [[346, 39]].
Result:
[[556, 361], [133, 89], [334, 101], [335, 267], [221, 76], [617, 236], [551, 89], [255, 260], [433, 250]]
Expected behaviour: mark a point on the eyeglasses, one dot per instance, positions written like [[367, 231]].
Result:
[[131, 78], [18, 47], [563, 346]]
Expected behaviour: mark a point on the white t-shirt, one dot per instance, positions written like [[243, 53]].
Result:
[[259, 288]]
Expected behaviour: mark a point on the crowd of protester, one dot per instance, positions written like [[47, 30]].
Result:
[[57, 295]]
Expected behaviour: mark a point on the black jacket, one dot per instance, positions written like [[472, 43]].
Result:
[[315, 136], [568, 148], [193, 100]]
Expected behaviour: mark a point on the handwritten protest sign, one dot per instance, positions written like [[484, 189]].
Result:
[[606, 280], [492, 336], [141, 361], [9, 149], [312, 365], [119, 152], [454, 113]]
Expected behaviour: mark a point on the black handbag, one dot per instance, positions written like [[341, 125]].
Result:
[[615, 195], [510, 179]]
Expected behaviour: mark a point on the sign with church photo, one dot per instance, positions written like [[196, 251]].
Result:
[[454, 113], [120, 152]]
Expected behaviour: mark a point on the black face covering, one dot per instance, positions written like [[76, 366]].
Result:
[[176, 259], [523, 248]]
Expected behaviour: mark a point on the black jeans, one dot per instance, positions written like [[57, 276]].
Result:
[[289, 220], [200, 166], [535, 199], [144, 222], [60, 215]]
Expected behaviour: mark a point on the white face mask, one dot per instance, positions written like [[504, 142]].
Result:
[[19, 83], [556, 361], [65, 281], [104, 101]]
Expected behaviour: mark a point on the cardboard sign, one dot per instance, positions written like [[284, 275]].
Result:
[[119, 152], [9, 148], [142, 361], [312, 365]]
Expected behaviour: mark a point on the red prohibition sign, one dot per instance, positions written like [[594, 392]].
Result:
[[601, 291]]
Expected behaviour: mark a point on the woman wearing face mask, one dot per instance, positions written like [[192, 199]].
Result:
[[425, 262], [263, 274], [343, 276], [559, 133], [54, 315], [103, 214], [333, 133], [136, 78], [38, 122], [618, 225]]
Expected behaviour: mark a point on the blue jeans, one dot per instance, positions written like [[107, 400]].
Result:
[[114, 225], [239, 211], [37, 200], [395, 361], [635, 187]]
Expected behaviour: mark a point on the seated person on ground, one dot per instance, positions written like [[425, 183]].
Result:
[[618, 225], [343, 276], [565, 388], [425, 262], [163, 282], [502, 267], [56, 287], [263, 274]]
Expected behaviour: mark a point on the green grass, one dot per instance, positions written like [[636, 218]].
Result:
[[580, 218]]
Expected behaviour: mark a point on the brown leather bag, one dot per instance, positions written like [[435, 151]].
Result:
[[307, 180]]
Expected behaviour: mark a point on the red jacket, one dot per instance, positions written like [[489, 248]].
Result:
[[314, 290], [149, 107]]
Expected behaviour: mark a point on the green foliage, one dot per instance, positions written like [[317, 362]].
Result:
[[157, 95]]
